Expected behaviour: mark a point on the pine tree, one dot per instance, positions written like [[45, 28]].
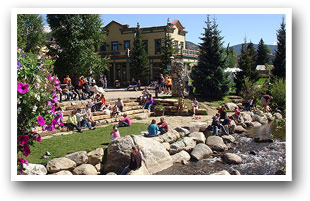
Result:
[[247, 64], [29, 31], [139, 65], [279, 62], [262, 53], [167, 51], [77, 35], [208, 76]]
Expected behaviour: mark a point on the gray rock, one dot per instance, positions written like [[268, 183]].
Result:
[[58, 164], [95, 157], [269, 116], [63, 172], [111, 173], [199, 137], [78, 157], [245, 140], [231, 106], [216, 143], [231, 158], [166, 145], [182, 131], [195, 126], [176, 147], [201, 151], [170, 136], [181, 157], [260, 119], [255, 124], [277, 115], [239, 129], [155, 156], [228, 139], [98, 167], [34, 169], [189, 142], [141, 171], [85, 169], [246, 116]]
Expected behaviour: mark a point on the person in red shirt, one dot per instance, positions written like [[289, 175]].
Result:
[[163, 126]]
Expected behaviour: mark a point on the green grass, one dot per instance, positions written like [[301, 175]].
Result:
[[89, 140], [261, 81]]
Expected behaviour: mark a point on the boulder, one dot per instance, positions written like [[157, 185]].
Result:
[[141, 116], [166, 145], [277, 115], [182, 131], [255, 124], [196, 126], [216, 143], [223, 172], [58, 164], [85, 169], [246, 116], [228, 139], [95, 157], [199, 137], [155, 156], [170, 136], [231, 158], [239, 129], [63, 172], [111, 173], [98, 167], [181, 157], [189, 142], [34, 169], [158, 139], [78, 157], [231, 106], [201, 151], [269, 116], [176, 147], [261, 119]]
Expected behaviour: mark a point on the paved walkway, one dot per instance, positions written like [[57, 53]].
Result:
[[123, 93]]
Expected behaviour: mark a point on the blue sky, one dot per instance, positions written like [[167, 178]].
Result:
[[234, 27]]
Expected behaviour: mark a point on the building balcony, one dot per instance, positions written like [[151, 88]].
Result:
[[116, 53], [187, 52]]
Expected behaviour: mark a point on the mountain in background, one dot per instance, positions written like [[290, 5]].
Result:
[[237, 48], [191, 46]]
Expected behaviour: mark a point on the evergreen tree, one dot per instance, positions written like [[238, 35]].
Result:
[[262, 53], [29, 31], [139, 65], [77, 35], [208, 76], [167, 51], [279, 61], [247, 64], [231, 57]]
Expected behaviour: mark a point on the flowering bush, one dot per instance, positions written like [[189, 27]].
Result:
[[36, 98]]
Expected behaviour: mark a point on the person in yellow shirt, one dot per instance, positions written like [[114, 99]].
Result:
[[169, 84], [72, 122]]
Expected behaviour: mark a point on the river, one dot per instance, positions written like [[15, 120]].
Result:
[[258, 158]]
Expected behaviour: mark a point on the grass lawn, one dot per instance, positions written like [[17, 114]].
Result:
[[89, 140]]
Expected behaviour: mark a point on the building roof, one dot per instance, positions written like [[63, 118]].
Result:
[[262, 67]]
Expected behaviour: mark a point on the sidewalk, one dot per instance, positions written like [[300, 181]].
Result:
[[113, 93]]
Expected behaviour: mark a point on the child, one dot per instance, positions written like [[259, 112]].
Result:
[[115, 111], [115, 133], [72, 122], [153, 129], [181, 104], [194, 106]]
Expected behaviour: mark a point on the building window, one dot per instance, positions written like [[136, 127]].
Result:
[[145, 45], [126, 44], [114, 46], [176, 44], [103, 47], [157, 46], [182, 45]]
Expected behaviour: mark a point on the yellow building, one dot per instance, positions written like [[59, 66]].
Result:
[[119, 42]]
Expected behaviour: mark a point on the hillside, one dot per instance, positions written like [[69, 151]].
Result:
[[237, 48]]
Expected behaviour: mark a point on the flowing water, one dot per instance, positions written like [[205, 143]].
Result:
[[259, 158]]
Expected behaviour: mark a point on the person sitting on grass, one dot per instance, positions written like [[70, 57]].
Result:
[[163, 126], [180, 104], [115, 133], [72, 122], [148, 104], [153, 129], [135, 161], [194, 106], [125, 122], [115, 111], [82, 121]]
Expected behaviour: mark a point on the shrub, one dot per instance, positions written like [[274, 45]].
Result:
[[278, 92]]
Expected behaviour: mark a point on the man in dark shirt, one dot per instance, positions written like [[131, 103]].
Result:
[[163, 126], [135, 160]]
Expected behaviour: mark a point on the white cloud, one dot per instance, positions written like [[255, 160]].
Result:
[[274, 43], [47, 29]]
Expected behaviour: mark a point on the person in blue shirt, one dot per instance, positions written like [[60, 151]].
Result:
[[153, 129]]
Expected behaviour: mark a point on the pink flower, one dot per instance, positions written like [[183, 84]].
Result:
[[23, 139], [53, 109], [37, 47], [48, 103], [55, 98], [37, 137], [22, 88], [40, 120], [23, 161], [26, 150], [37, 85]]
